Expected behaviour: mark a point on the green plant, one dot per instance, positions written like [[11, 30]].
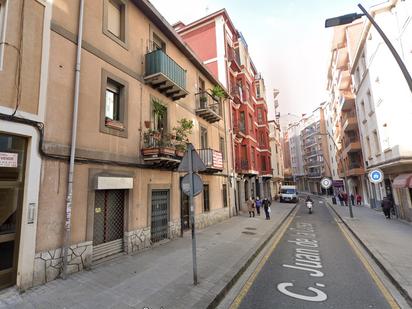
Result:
[[183, 130], [159, 109], [218, 92]]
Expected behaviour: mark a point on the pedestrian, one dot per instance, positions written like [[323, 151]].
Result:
[[358, 199], [251, 207], [258, 204], [266, 208], [352, 199], [387, 206], [340, 197], [345, 198]]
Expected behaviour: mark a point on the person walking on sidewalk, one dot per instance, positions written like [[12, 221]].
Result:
[[266, 208], [258, 205], [352, 199], [358, 199], [251, 207], [340, 197], [387, 206]]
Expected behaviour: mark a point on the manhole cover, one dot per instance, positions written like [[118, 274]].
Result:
[[250, 228], [248, 233]]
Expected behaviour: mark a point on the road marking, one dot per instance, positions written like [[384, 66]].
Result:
[[385, 292], [253, 276]]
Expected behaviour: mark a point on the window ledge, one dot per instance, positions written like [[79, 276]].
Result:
[[370, 158], [378, 155], [371, 113], [387, 150], [116, 125]]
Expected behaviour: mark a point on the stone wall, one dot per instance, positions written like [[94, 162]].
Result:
[[209, 218], [137, 240], [48, 264], [174, 229]]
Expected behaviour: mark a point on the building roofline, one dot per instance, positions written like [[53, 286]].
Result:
[[154, 16], [202, 20]]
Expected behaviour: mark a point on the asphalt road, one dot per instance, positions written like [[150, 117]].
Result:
[[313, 266]]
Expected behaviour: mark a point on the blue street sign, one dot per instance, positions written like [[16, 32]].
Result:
[[376, 176]]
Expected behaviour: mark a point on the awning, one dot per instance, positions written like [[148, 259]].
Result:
[[402, 181]]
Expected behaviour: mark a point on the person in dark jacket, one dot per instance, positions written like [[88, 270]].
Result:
[[340, 197], [387, 206], [266, 208], [352, 199], [258, 204]]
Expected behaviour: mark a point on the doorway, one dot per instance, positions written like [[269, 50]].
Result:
[[12, 167], [108, 227], [184, 210], [160, 215]]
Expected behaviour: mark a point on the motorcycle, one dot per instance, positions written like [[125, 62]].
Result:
[[309, 205]]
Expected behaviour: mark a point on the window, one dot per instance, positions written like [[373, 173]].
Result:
[[222, 147], [263, 158], [114, 22], [257, 91], [253, 156], [203, 138], [370, 102], [368, 142], [159, 116], [206, 206], [376, 141], [276, 147], [363, 109], [113, 116], [224, 193], [159, 44], [260, 116], [251, 124], [242, 122]]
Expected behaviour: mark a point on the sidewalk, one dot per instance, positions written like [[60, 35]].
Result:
[[161, 277], [388, 241]]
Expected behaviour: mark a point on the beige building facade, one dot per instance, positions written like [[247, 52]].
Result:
[[140, 88]]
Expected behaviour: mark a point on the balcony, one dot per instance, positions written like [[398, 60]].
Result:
[[208, 107], [243, 167], [159, 152], [352, 145], [234, 60], [165, 75], [212, 159], [314, 174], [313, 163], [237, 94], [350, 122], [348, 101]]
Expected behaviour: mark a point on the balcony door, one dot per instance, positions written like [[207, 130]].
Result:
[[12, 166], [203, 138]]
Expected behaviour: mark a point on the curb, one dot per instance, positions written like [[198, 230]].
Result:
[[218, 298], [397, 285]]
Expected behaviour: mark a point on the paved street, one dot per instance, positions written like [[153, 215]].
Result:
[[313, 266]]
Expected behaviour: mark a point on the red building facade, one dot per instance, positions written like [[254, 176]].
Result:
[[224, 51]]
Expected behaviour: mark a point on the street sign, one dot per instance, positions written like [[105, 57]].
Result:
[[197, 162], [326, 183], [375, 176], [197, 184]]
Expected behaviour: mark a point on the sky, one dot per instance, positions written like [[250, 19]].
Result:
[[287, 42]]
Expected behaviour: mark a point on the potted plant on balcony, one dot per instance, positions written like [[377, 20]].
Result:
[[114, 124], [166, 146], [151, 140], [218, 93], [182, 132]]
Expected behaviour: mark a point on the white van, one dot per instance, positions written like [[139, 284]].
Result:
[[288, 194]]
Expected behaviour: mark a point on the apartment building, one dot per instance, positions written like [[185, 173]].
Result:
[[287, 166], [276, 157], [296, 156], [142, 95], [225, 52], [342, 116], [315, 152], [384, 104], [24, 45]]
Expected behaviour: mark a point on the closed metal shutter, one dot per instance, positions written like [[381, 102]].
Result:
[[160, 215], [108, 228]]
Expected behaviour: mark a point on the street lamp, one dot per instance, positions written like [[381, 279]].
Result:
[[344, 170], [349, 18]]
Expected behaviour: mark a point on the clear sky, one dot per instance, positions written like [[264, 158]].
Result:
[[287, 41]]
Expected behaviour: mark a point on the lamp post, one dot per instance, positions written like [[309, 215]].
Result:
[[349, 18], [344, 170]]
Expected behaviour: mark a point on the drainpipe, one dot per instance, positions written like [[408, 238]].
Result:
[[227, 159], [69, 197]]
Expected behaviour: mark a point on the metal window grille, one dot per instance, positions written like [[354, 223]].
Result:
[[160, 215]]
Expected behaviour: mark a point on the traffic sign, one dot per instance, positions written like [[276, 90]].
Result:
[[197, 184], [326, 183], [198, 165], [376, 176]]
